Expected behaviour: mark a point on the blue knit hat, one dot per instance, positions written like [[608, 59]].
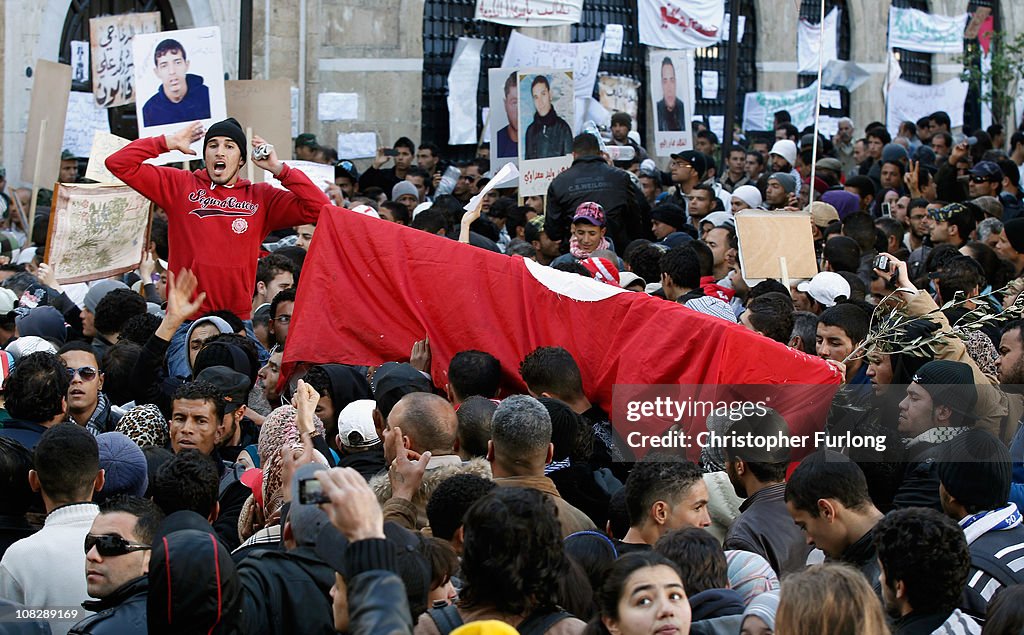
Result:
[[124, 465]]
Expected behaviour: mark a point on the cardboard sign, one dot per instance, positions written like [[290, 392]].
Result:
[[766, 236], [180, 79], [51, 87], [104, 144], [546, 106], [263, 105], [113, 68], [96, 231]]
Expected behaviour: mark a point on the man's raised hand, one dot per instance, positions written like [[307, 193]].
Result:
[[183, 139], [271, 164]]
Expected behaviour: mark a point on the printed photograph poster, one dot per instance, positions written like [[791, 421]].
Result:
[[546, 107], [619, 94], [96, 231], [179, 76], [672, 97], [503, 124]]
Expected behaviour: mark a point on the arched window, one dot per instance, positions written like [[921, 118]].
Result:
[[715, 58], [444, 22], [76, 28], [810, 10], [916, 67]]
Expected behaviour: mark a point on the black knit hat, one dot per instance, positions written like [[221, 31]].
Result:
[[231, 129], [670, 214], [975, 469], [1015, 233], [950, 384]]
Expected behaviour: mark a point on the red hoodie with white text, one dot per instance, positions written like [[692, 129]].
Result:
[[216, 230]]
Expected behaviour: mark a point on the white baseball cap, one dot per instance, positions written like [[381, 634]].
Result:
[[825, 287], [355, 424]]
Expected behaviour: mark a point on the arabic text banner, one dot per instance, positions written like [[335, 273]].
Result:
[[914, 30], [530, 12], [680, 24]]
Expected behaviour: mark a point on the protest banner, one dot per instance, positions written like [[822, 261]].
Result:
[[680, 24], [529, 12], [546, 107], [915, 30], [180, 79], [619, 94], [83, 118], [775, 244], [263, 105], [48, 109], [462, 88], [582, 58], [672, 94], [848, 75], [96, 231], [113, 68], [503, 124], [910, 102], [759, 108], [808, 42], [104, 144], [614, 34], [322, 175]]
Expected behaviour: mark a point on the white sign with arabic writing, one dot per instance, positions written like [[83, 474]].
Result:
[[530, 12], [759, 108], [681, 24], [914, 30], [582, 57], [113, 68], [672, 93], [910, 102]]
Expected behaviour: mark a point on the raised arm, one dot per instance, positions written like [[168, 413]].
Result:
[[158, 184]]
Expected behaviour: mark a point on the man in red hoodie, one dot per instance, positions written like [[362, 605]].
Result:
[[216, 220]]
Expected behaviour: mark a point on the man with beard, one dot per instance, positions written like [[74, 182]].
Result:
[[1010, 368]]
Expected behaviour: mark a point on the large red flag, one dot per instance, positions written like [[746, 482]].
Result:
[[371, 288]]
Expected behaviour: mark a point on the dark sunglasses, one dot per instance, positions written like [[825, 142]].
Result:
[[109, 546], [87, 373], [981, 179]]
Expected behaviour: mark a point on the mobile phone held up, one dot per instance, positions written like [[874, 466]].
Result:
[[881, 263], [391, 152], [311, 492], [887, 210]]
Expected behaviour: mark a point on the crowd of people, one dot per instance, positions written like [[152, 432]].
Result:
[[165, 475]]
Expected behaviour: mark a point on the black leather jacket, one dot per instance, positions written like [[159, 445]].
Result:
[[591, 179], [123, 611]]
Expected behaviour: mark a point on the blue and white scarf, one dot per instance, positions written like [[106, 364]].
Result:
[[977, 525]]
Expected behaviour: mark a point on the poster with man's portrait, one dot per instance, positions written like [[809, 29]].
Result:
[[672, 96], [545, 135], [503, 116], [179, 78]]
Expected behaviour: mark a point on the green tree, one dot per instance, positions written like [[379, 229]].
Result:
[[998, 85]]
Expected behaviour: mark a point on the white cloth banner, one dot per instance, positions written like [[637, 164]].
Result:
[[759, 108], [807, 42], [910, 102], [849, 75], [681, 24], [530, 12], [914, 30], [582, 57], [462, 86]]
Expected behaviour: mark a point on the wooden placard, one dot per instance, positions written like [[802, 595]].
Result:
[[51, 87], [264, 106], [765, 237], [96, 231]]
